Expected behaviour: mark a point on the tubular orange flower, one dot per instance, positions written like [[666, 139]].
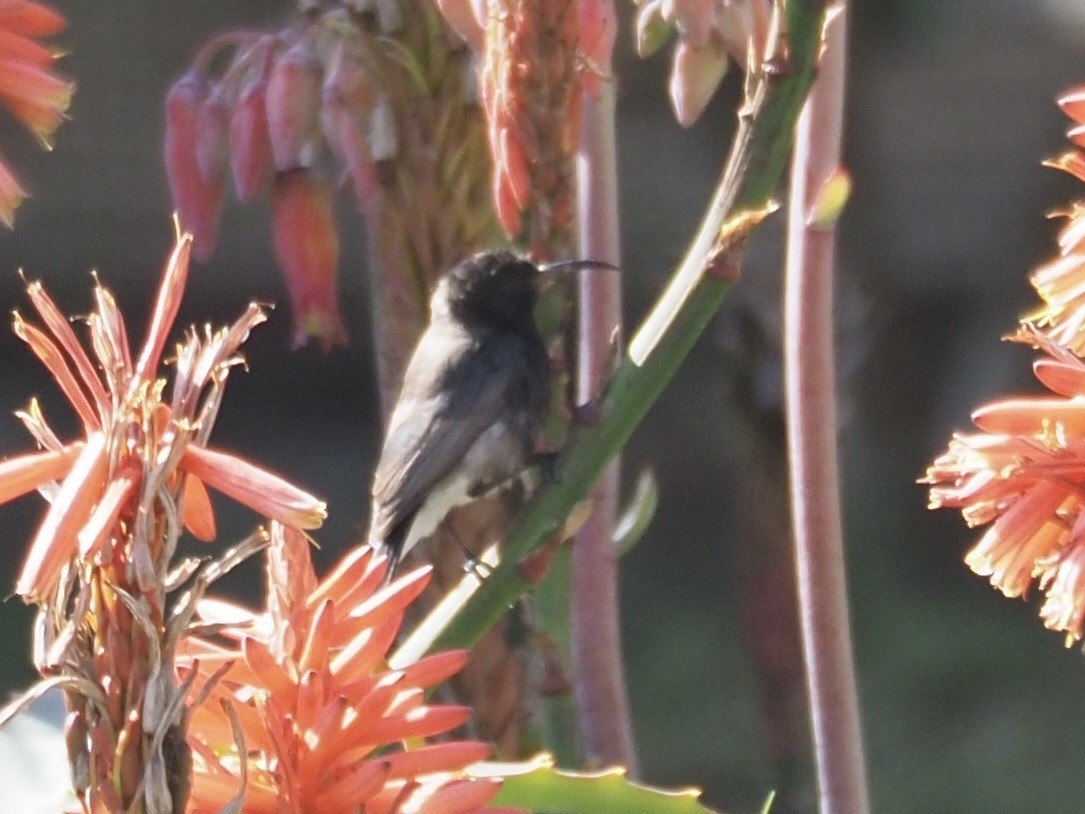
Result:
[[307, 718], [1024, 477], [30, 91], [98, 564], [1061, 282], [1024, 474]]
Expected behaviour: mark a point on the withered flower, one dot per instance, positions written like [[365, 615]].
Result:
[[298, 712], [101, 563]]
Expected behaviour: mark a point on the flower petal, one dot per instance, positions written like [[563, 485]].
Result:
[[198, 514], [267, 494], [53, 545], [26, 473], [1033, 416], [50, 356], [30, 19], [166, 306]]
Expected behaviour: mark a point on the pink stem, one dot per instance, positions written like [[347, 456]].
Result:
[[811, 407], [596, 633]]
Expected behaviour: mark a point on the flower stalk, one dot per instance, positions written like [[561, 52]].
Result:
[[812, 431], [598, 672]]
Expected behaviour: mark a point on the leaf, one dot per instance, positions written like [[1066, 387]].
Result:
[[637, 514], [537, 785]]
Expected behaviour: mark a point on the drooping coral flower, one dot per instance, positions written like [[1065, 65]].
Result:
[[29, 89], [303, 716], [101, 564], [1023, 477]]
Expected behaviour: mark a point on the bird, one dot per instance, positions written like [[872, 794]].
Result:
[[474, 395]]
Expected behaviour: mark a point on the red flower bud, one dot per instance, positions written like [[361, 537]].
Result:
[[198, 202], [347, 91], [293, 107], [212, 135], [250, 146], [307, 245]]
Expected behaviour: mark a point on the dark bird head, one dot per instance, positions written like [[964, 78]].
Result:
[[493, 288], [498, 287]]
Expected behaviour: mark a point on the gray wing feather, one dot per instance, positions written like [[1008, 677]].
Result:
[[417, 455]]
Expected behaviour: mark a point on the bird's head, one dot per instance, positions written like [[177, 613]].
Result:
[[499, 287]]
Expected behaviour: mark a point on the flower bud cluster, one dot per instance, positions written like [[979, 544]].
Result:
[[292, 115], [710, 33]]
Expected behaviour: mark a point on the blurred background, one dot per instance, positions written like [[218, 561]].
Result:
[[968, 703]]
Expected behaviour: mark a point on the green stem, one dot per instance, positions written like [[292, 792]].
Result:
[[756, 162], [561, 732]]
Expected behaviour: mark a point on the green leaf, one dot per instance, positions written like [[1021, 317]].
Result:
[[637, 514], [538, 785]]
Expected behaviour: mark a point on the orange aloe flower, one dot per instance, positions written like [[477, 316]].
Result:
[[130, 426], [297, 712], [101, 563], [28, 88], [1061, 282], [1023, 476]]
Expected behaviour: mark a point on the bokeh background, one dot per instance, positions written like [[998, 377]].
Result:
[[968, 703]]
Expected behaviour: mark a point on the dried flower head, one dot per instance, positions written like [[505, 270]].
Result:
[[102, 562], [29, 89], [300, 713]]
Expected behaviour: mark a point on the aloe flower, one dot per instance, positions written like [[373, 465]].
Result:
[[1061, 282], [297, 711], [1023, 475], [29, 89], [102, 561]]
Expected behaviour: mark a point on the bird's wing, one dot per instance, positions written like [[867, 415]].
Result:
[[418, 454]]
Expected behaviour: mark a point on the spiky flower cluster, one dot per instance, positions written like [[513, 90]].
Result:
[[29, 89], [297, 712], [1023, 474], [101, 566]]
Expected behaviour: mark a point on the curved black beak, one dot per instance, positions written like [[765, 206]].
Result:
[[564, 269]]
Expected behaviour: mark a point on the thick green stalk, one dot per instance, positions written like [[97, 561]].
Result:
[[756, 162]]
